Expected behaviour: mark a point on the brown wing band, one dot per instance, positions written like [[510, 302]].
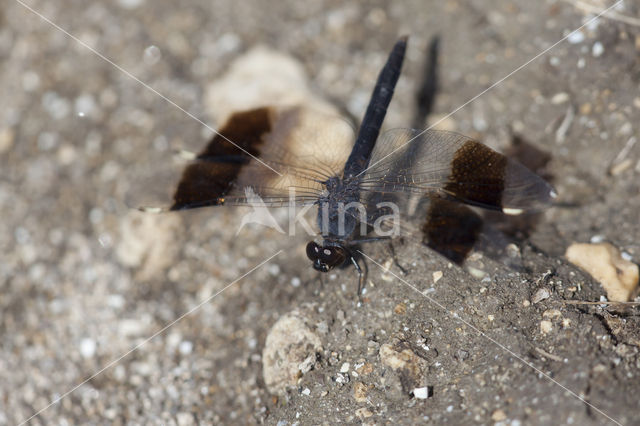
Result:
[[477, 175], [207, 180]]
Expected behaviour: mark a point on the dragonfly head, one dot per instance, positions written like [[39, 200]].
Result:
[[326, 257]]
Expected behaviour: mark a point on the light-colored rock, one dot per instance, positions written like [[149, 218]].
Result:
[[597, 50], [290, 351], [405, 363], [540, 295], [185, 419], [87, 348], [559, 98], [421, 393], [262, 77], [363, 413], [364, 369], [546, 326], [498, 416], [360, 391], [148, 242], [552, 314], [6, 139], [619, 277]]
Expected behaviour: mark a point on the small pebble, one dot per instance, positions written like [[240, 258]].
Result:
[[342, 378], [87, 348], [151, 55], [552, 313], [345, 367], [66, 155], [477, 273], [364, 369], [30, 81], [6, 139], [185, 419], [540, 295], [421, 393], [436, 276], [498, 416], [85, 105], [400, 309], [597, 50], [560, 98], [576, 37], [546, 326], [363, 413], [274, 269], [130, 4], [57, 106], [360, 392], [186, 347]]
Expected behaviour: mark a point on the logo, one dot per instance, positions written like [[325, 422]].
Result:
[[335, 219]]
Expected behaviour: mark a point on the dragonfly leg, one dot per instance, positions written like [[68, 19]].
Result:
[[395, 258], [321, 279], [362, 274], [391, 248], [370, 239]]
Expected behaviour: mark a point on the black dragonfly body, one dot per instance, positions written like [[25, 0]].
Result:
[[427, 175]]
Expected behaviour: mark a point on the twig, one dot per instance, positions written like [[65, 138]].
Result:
[[584, 302], [548, 355], [615, 16]]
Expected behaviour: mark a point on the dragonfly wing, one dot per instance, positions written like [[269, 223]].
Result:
[[456, 167], [281, 155]]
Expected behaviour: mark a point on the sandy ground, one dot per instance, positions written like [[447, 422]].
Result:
[[84, 278]]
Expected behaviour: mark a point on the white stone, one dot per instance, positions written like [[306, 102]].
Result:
[[576, 37], [88, 347], [421, 393], [598, 49]]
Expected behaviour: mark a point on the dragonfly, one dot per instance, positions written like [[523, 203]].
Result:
[[403, 182]]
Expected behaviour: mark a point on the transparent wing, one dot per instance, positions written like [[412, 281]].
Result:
[[453, 166], [281, 155], [417, 183]]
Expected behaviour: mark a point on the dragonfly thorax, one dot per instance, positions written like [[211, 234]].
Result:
[[338, 208]]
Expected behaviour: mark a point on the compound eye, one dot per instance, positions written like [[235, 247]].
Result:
[[333, 256], [325, 258], [313, 251]]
